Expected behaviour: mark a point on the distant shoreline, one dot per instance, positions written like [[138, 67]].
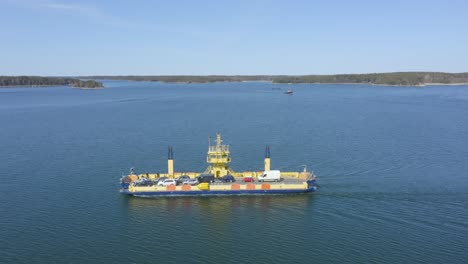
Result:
[[373, 84], [181, 82], [454, 84], [414, 79], [54, 86], [389, 79], [32, 86], [87, 88], [39, 81], [378, 84]]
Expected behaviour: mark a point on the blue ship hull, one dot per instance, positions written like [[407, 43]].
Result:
[[227, 192]]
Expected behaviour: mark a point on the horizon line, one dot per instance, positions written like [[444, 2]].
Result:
[[116, 75]]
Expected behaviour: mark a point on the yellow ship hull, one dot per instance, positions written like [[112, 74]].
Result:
[[222, 189]]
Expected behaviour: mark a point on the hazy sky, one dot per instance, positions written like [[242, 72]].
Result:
[[60, 37]]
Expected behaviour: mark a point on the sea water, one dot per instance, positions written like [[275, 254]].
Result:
[[392, 166]]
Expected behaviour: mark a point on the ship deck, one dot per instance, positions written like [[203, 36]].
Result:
[[285, 185]]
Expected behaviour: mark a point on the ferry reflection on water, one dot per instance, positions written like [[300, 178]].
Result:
[[217, 204]]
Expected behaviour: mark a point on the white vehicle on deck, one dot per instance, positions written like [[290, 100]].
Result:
[[193, 181], [271, 175], [167, 182]]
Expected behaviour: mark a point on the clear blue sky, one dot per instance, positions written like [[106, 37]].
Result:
[[65, 37]]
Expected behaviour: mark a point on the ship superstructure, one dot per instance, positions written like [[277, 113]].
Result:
[[218, 157]]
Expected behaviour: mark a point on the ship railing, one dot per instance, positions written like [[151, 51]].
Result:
[[289, 174], [222, 148], [310, 177]]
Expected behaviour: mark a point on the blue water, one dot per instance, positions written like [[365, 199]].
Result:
[[392, 166]]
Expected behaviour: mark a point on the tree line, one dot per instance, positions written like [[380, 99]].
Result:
[[86, 84], [395, 78], [46, 81]]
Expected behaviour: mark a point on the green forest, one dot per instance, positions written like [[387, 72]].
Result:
[[46, 81], [395, 78], [86, 84], [186, 78]]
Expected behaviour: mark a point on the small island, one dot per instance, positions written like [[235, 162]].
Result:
[[37, 81], [89, 84]]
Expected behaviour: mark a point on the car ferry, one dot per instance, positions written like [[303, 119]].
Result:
[[218, 178]]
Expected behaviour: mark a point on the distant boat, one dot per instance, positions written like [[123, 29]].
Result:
[[289, 91]]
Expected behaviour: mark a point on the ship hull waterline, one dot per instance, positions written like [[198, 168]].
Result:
[[215, 192]]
